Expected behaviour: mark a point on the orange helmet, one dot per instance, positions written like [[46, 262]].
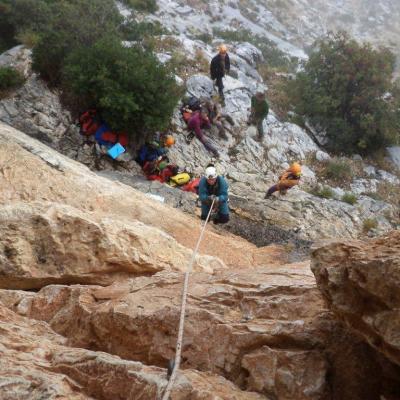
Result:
[[295, 168], [169, 140], [222, 49]]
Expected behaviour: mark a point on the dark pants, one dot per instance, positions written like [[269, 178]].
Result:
[[275, 188], [220, 208], [220, 87], [219, 219], [207, 144], [272, 190], [253, 120]]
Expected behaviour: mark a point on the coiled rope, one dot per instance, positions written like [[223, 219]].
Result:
[[178, 349]]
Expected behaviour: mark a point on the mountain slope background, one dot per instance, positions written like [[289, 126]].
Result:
[[292, 24]]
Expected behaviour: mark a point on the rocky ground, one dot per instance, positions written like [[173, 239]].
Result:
[[91, 261], [291, 25], [91, 274], [250, 166]]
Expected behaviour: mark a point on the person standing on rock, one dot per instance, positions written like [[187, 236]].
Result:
[[259, 111], [291, 177], [220, 65], [214, 187]]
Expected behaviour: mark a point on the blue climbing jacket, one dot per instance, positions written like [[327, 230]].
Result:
[[220, 189], [149, 153]]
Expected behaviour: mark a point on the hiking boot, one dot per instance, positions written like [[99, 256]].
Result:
[[230, 120], [189, 137]]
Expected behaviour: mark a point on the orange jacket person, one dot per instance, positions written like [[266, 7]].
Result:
[[290, 178]]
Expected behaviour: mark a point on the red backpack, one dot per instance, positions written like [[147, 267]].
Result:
[[192, 186], [89, 122]]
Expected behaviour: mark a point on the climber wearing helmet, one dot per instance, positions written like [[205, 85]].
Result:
[[214, 187], [220, 65], [290, 178], [154, 148]]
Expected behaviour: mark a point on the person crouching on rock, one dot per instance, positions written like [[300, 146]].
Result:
[[290, 178], [197, 122], [214, 187]]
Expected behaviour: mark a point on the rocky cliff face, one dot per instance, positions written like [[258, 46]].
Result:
[[250, 166], [360, 282], [257, 327]]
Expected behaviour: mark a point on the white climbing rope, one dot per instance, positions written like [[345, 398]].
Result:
[[178, 349]]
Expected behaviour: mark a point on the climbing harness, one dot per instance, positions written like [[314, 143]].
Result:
[[178, 349]]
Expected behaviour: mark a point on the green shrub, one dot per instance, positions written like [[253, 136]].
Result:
[[338, 171], [10, 79], [18, 17], [369, 223], [345, 90], [325, 192], [149, 6], [204, 37], [73, 24], [28, 38], [130, 87], [349, 198], [137, 31], [374, 195]]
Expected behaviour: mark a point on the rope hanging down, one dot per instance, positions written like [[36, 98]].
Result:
[[178, 349]]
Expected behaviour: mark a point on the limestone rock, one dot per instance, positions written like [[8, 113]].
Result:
[[235, 321], [46, 176], [267, 331], [394, 154], [19, 57], [37, 364], [360, 281], [48, 243], [288, 375], [249, 53]]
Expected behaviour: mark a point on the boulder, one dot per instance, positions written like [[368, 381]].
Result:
[[360, 282], [249, 53], [394, 155], [50, 243], [38, 364], [264, 325], [20, 58]]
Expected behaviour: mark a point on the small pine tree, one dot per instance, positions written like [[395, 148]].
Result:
[[73, 24], [129, 86], [346, 89], [10, 79]]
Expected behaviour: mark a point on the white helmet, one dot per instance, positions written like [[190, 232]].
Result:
[[211, 173]]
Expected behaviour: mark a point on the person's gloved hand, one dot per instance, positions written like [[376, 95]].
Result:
[[213, 197]]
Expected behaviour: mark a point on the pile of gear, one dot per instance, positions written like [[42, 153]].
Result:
[[156, 166], [107, 141]]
